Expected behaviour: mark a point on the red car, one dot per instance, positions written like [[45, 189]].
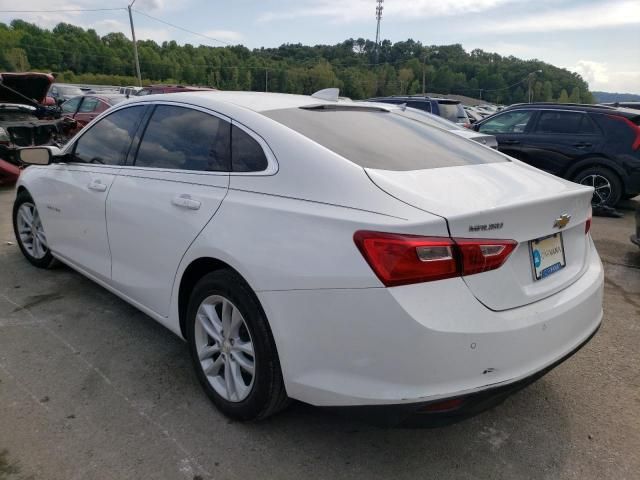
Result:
[[85, 108], [153, 89], [27, 118]]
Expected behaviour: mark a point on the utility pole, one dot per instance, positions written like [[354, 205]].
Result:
[[266, 79], [424, 70], [531, 77], [135, 45], [379, 8]]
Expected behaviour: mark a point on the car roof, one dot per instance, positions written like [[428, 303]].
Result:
[[418, 98], [255, 101], [573, 106]]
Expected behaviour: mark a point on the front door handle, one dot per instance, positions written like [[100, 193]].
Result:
[[185, 201], [510, 142], [97, 186], [582, 145]]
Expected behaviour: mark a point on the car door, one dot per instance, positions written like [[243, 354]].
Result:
[[511, 129], [75, 200], [560, 137], [170, 188]]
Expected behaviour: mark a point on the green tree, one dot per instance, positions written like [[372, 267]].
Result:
[[575, 95], [564, 97]]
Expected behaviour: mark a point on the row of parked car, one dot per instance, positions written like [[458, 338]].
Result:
[[595, 145]]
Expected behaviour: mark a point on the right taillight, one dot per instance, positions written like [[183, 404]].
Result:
[[587, 224], [636, 129], [399, 259]]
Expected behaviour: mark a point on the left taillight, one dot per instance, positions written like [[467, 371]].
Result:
[[399, 259], [587, 224]]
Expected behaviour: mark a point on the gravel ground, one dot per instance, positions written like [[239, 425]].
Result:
[[90, 388]]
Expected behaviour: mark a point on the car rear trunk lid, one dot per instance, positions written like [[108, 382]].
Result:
[[502, 201]]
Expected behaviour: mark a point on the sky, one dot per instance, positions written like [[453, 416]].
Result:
[[598, 39]]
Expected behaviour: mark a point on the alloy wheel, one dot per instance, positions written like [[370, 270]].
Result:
[[225, 348], [602, 188], [31, 231]]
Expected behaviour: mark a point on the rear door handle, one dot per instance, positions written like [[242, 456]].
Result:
[[185, 201], [582, 145], [510, 142], [97, 186]]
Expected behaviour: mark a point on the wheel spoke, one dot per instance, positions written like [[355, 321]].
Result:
[[229, 380], [244, 347], [209, 320], [214, 367], [236, 323], [27, 216], [243, 362], [227, 311], [209, 351]]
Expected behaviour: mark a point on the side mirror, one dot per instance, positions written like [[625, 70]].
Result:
[[35, 156], [60, 101]]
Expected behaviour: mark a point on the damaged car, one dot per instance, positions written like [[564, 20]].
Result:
[[25, 120]]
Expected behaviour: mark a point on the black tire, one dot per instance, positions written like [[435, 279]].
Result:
[[267, 395], [607, 196], [45, 261]]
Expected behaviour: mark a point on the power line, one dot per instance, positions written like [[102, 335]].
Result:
[[65, 10], [181, 28]]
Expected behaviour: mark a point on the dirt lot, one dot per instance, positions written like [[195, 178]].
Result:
[[92, 389]]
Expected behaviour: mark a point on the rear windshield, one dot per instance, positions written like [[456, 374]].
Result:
[[453, 112], [384, 140]]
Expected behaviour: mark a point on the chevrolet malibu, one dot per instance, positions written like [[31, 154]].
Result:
[[341, 254]]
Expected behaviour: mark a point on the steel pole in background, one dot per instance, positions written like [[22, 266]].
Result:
[[135, 45]]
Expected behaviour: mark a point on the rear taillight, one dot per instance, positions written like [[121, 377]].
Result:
[[483, 255], [636, 129], [399, 259], [587, 224]]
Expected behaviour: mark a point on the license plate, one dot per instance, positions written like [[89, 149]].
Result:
[[547, 255]]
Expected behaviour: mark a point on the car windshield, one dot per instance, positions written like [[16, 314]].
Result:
[[453, 112], [374, 138]]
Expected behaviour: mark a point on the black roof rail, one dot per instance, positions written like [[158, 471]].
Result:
[[555, 104]]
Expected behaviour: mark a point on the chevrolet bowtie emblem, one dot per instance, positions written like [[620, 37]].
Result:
[[562, 221]]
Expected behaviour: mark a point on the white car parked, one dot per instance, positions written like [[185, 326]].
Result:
[[335, 253]]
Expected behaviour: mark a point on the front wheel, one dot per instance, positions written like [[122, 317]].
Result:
[[29, 231], [232, 348], [606, 183]]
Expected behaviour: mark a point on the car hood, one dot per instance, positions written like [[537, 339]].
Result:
[[33, 86]]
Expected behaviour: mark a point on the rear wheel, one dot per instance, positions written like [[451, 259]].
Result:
[[29, 231], [232, 348], [606, 183]]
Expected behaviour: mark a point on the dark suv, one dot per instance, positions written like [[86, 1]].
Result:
[[452, 110], [593, 145]]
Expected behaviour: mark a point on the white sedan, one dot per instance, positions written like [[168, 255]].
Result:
[[341, 254]]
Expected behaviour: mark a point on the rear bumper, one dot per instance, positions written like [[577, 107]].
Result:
[[447, 411], [417, 344]]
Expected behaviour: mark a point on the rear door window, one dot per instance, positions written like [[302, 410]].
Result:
[[453, 112], [508, 122], [89, 105], [185, 139], [425, 106], [70, 106], [567, 123], [374, 138]]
